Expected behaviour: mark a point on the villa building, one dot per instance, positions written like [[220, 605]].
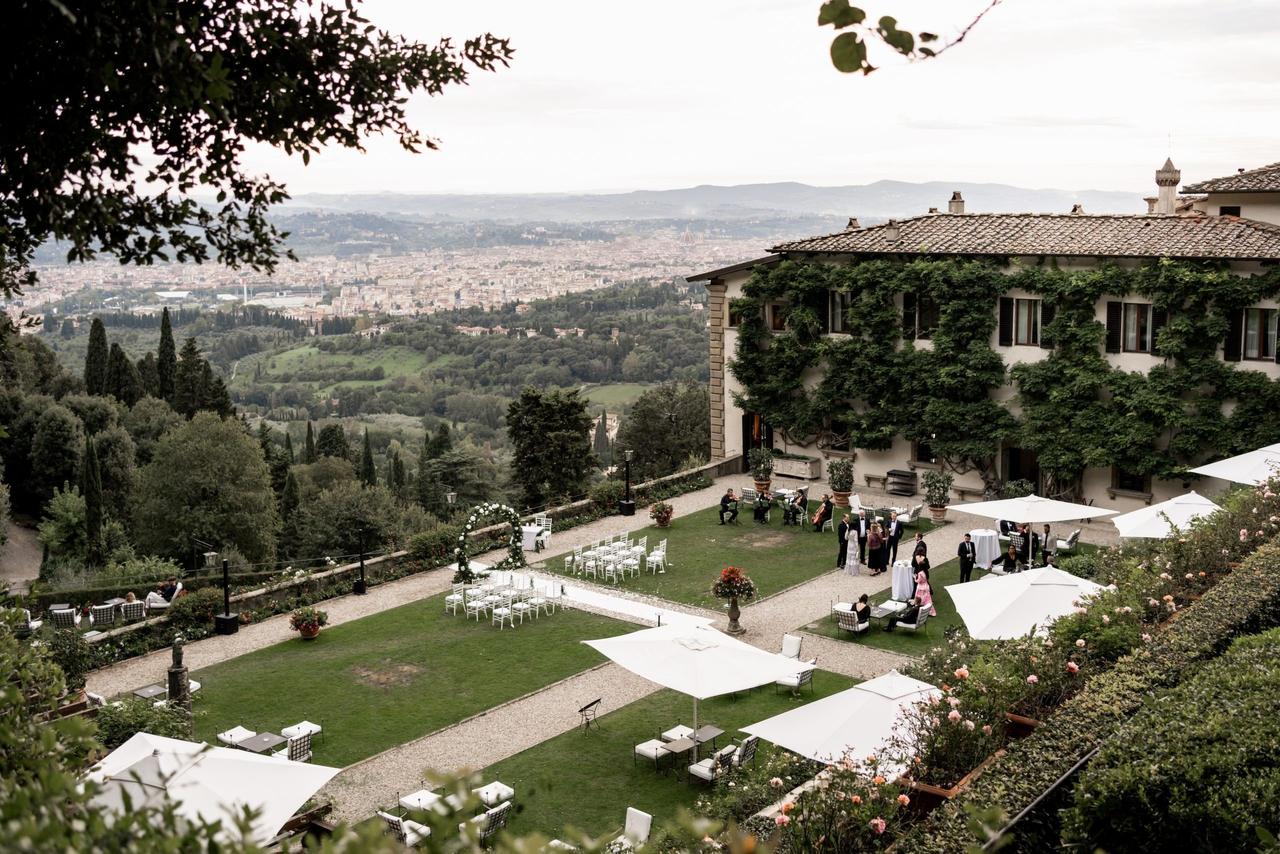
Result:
[[1233, 221]]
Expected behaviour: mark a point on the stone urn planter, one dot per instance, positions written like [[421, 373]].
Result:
[[937, 491], [761, 460], [840, 476], [732, 585], [840, 498], [734, 613]]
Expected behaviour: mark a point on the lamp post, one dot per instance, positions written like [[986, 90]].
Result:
[[226, 623], [627, 507], [360, 588]]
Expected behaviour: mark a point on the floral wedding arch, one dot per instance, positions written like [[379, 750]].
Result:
[[515, 552]]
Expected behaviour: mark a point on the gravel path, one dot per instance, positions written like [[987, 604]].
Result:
[[19, 557]]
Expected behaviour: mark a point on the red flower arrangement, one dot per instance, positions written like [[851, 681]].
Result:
[[733, 583]]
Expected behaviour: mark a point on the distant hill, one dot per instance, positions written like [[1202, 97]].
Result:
[[879, 200]]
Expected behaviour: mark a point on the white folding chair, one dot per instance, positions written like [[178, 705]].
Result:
[[457, 599], [503, 615]]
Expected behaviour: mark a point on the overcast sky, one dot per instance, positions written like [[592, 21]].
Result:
[[604, 95]]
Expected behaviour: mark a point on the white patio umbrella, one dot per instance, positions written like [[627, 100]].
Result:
[[1010, 606], [1031, 508], [209, 783], [696, 660], [1160, 520], [856, 722], [1251, 467]]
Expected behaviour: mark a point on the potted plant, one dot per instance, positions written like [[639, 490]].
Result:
[[761, 460], [661, 513], [937, 492], [734, 584], [307, 621], [840, 477]]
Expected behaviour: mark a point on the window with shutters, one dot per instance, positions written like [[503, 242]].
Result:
[[1026, 322], [1259, 333], [919, 316], [1128, 481], [840, 302], [1136, 334], [777, 320]]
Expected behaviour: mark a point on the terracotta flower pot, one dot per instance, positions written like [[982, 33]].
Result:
[[938, 514], [841, 499], [762, 485], [309, 632]]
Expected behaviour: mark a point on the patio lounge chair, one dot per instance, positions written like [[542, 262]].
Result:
[[66, 618], [298, 749], [488, 823], [653, 750], [132, 612], [1069, 544], [25, 626], [791, 645], [409, 832], [804, 677], [918, 624], [493, 794], [302, 728], [848, 621], [235, 735], [102, 615], [635, 832], [711, 768]]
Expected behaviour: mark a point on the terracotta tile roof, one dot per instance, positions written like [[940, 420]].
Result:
[[1120, 236], [1264, 179]]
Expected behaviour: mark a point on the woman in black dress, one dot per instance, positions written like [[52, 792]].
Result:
[[876, 551]]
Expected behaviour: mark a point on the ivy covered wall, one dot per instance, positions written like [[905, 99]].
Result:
[[1075, 410]]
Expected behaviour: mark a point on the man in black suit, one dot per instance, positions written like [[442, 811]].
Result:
[[968, 554], [919, 546], [908, 615], [893, 531], [728, 507], [842, 534], [863, 527]]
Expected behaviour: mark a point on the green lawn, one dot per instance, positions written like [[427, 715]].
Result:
[[588, 779], [775, 556], [913, 643], [615, 394], [394, 361], [389, 678]]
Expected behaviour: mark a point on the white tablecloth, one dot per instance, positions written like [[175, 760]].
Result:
[[529, 537], [986, 545], [903, 580]]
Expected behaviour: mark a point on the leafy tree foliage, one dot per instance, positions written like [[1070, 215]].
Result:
[[309, 450], [147, 422], [600, 441], [849, 48], [368, 473], [96, 413], [666, 426], [196, 387], [117, 466], [345, 520], [149, 374], [91, 489], [551, 433], [95, 360], [191, 85], [208, 480], [333, 442], [464, 470], [325, 473], [55, 451], [124, 383], [63, 529]]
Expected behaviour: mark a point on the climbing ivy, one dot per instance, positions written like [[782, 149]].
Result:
[[1075, 410]]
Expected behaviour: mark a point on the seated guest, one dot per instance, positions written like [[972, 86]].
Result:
[[1009, 561], [764, 502], [862, 610], [792, 513], [728, 507], [129, 597], [168, 589], [825, 512], [910, 615]]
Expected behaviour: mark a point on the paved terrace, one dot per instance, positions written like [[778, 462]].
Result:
[[510, 728]]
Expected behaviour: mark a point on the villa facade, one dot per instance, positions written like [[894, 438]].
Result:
[[1233, 221]]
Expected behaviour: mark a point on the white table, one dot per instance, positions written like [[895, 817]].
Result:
[[529, 536], [903, 580], [986, 546]]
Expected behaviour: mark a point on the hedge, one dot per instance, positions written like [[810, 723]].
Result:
[[1197, 769], [1244, 601]]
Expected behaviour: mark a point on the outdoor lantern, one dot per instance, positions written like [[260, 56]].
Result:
[[210, 559], [627, 506], [451, 497]]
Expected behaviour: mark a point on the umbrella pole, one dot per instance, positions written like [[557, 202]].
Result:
[[695, 729]]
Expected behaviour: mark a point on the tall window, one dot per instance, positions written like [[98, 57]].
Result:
[[840, 302], [1026, 321], [926, 316], [922, 453], [1260, 333], [1129, 481], [776, 321], [1137, 327]]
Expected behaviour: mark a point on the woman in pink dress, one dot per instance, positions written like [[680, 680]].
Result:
[[924, 596]]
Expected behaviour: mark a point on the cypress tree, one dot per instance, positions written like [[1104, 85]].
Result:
[[188, 384], [601, 441], [309, 450], [95, 360], [91, 489], [397, 474], [149, 375], [123, 380], [288, 447], [166, 361], [290, 498], [368, 474]]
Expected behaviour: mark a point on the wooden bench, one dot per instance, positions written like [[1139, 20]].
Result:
[[877, 479]]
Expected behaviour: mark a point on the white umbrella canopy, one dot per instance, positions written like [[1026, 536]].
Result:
[[1010, 606], [1251, 467], [206, 783], [856, 722], [696, 660], [1161, 520], [1031, 508]]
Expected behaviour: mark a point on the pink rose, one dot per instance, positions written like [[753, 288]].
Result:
[[1146, 638], [1073, 668], [857, 799], [969, 725], [782, 819], [1106, 621], [962, 672], [776, 782], [986, 729], [877, 824], [953, 716], [1032, 679], [953, 701], [1080, 643], [1244, 534]]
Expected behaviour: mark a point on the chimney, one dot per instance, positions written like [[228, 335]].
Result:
[[891, 231], [1151, 203], [956, 205], [933, 210], [1167, 179], [852, 224], [1077, 209]]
